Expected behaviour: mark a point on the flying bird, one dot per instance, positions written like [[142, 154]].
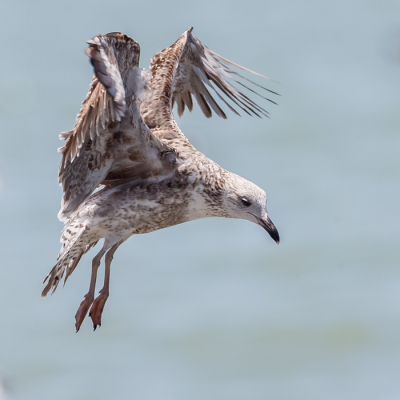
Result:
[[127, 142]]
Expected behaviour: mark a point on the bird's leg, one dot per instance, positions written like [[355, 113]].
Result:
[[89, 296], [98, 306]]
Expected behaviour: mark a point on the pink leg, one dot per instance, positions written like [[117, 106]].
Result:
[[98, 306], [89, 296]]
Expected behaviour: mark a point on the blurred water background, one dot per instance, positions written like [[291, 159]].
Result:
[[214, 308]]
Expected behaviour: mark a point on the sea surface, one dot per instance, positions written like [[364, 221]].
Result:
[[214, 309]]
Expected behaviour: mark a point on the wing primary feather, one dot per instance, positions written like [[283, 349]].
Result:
[[230, 95], [187, 68], [225, 60], [230, 107], [181, 105], [251, 103], [233, 98], [206, 94], [188, 100], [233, 89], [255, 105], [253, 91], [254, 83], [242, 99], [203, 105]]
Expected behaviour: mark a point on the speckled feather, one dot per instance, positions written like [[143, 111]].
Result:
[[110, 140], [154, 178]]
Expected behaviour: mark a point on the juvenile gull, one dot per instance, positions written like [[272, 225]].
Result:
[[126, 139]]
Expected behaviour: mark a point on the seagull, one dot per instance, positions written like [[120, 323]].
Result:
[[127, 143]]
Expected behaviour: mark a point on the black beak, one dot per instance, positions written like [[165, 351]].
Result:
[[270, 228]]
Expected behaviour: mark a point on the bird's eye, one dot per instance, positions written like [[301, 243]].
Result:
[[245, 202]]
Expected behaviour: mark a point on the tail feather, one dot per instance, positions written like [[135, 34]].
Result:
[[58, 270], [75, 243]]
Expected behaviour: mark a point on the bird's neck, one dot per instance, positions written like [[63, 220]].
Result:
[[208, 195]]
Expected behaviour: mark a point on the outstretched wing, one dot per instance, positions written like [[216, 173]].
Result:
[[110, 142], [105, 101], [189, 68]]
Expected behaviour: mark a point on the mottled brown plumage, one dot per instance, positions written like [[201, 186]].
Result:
[[126, 139]]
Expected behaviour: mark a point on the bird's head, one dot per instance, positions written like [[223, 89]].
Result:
[[245, 200]]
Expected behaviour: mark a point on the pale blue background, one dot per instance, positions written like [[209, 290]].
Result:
[[214, 309]]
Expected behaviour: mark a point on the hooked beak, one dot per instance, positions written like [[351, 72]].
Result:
[[269, 227]]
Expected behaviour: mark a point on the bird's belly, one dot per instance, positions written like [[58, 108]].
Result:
[[138, 210]]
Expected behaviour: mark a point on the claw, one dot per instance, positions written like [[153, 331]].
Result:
[[82, 311], [97, 309]]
